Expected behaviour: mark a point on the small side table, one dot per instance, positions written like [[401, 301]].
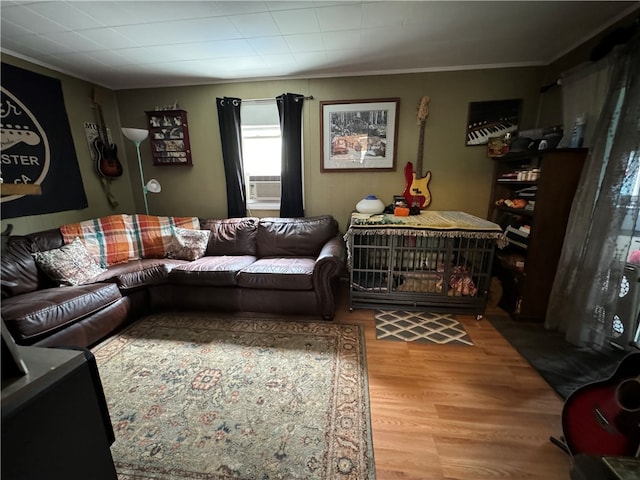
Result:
[[55, 422], [594, 467]]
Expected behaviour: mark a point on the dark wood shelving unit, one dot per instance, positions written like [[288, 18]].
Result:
[[527, 271], [169, 137]]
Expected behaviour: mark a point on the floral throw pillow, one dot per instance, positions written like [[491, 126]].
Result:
[[188, 244], [70, 264]]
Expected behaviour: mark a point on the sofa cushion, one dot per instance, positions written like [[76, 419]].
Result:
[[294, 237], [46, 239], [70, 264], [279, 274], [231, 236], [139, 273], [188, 244], [18, 267], [211, 271], [36, 313], [152, 234]]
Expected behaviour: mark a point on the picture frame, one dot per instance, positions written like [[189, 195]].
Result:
[[358, 135], [493, 118]]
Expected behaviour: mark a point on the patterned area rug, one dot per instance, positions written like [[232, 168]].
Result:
[[224, 397], [420, 327]]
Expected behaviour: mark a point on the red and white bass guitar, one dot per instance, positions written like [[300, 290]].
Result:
[[416, 192]]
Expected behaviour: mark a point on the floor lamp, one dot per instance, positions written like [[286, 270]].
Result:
[[137, 135]]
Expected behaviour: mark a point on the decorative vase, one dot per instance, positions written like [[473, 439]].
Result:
[[370, 204]]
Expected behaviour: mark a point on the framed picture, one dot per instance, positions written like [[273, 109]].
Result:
[[491, 119], [358, 135]]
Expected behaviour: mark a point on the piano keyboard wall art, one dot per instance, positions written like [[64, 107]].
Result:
[[492, 119]]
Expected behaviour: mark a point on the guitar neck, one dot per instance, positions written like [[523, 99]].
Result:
[[103, 128], [420, 150]]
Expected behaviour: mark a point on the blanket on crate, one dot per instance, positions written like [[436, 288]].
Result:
[[428, 223]]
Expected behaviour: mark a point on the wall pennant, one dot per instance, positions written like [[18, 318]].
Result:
[[37, 146]]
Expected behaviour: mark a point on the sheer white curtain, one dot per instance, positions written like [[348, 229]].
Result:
[[584, 90], [603, 225]]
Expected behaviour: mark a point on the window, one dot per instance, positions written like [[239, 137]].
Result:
[[261, 153], [631, 181], [630, 188]]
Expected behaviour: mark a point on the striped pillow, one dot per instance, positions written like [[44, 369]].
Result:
[[152, 235], [107, 239]]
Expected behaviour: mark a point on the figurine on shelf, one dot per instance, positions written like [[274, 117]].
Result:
[[515, 203]]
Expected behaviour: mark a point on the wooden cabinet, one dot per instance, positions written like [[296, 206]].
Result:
[[169, 137], [545, 183]]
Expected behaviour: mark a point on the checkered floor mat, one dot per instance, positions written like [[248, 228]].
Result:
[[420, 327]]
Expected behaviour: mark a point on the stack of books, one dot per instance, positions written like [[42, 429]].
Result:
[[518, 236]]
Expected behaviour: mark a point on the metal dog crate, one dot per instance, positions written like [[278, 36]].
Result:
[[409, 269]]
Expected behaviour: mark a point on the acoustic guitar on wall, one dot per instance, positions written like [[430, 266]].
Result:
[[416, 192], [107, 163], [603, 418]]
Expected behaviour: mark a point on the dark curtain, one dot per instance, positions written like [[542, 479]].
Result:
[[231, 139], [290, 112]]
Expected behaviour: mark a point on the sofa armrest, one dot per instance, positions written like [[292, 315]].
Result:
[[327, 268]]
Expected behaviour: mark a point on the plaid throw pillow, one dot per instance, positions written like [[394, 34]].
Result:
[[107, 239], [152, 235]]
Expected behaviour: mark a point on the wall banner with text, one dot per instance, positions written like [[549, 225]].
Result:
[[37, 146]]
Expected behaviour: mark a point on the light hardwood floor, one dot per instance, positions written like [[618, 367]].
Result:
[[443, 412]]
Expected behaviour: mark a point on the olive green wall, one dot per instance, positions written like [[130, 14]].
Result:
[[551, 101], [77, 98], [460, 175]]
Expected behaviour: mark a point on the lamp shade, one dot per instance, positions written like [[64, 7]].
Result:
[[154, 186], [135, 134]]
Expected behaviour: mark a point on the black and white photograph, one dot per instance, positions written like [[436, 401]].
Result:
[[359, 135]]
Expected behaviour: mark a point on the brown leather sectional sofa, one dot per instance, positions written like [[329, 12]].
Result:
[[272, 265]]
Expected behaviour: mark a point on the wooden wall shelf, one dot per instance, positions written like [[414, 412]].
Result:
[[20, 189]]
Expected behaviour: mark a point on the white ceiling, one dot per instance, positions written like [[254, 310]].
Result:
[[133, 44]]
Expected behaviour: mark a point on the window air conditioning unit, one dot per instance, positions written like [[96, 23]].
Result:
[[264, 188]]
